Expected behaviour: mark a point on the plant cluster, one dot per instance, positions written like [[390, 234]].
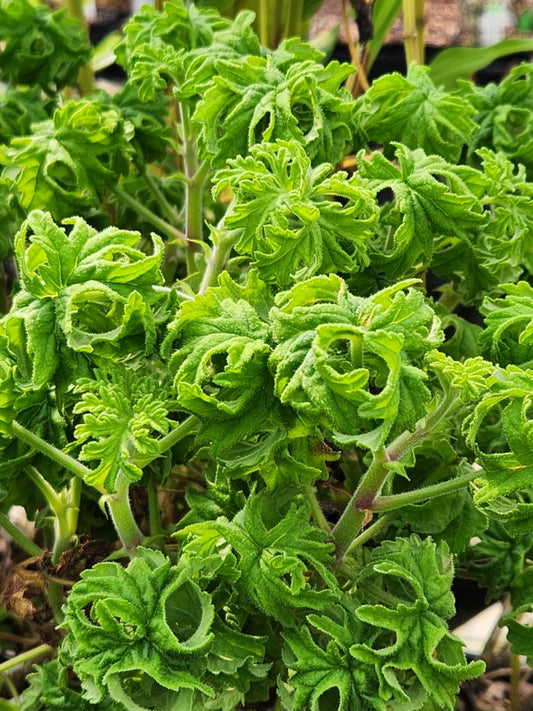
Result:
[[234, 275]]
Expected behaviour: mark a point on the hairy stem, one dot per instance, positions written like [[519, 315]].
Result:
[[389, 503], [52, 452], [166, 207], [372, 481], [65, 507], [316, 511], [184, 429], [194, 188], [119, 507], [368, 533], [169, 230], [31, 548], [49, 493], [218, 258]]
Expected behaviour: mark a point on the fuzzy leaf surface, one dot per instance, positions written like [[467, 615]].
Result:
[[411, 110], [431, 198], [123, 411], [321, 667], [416, 576], [146, 617], [349, 362], [40, 46], [275, 560], [268, 98], [80, 289], [289, 215], [65, 164]]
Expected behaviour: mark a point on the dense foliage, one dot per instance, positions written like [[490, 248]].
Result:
[[232, 278]]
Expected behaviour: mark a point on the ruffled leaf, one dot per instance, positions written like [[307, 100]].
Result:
[[81, 290], [267, 98], [432, 198], [411, 110], [348, 362], [145, 620], [122, 412], [416, 576], [67, 162], [289, 216], [40, 46], [281, 562]]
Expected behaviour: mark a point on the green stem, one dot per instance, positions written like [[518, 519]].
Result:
[[218, 258], [368, 533], [31, 548], [194, 211], [196, 175], [318, 515], [449, 298], [54, 501], [119, 507], [263, 23], [74, 503], [413, 27], [171, 232], [293, 18], [389, 503], [64, 535], [164, 204], [28, 656], [86, 73], [65, 509], [372, 481], [184, 429], [52, 452]]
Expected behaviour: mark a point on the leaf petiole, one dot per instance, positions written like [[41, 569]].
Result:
[[31, 548], [374, 478], [162, 225], [368, 533], [52, 452], [156, 191], [389, 503], [28, 656], [119, 507], [316, 511], [218, 258], [181, 431]]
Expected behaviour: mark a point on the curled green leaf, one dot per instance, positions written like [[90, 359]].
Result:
[[413, 579], [146, 620], [40, 46], [295, 220], [79, 288], [349, 362], [259, 99], [282, 560], [123, 411]]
